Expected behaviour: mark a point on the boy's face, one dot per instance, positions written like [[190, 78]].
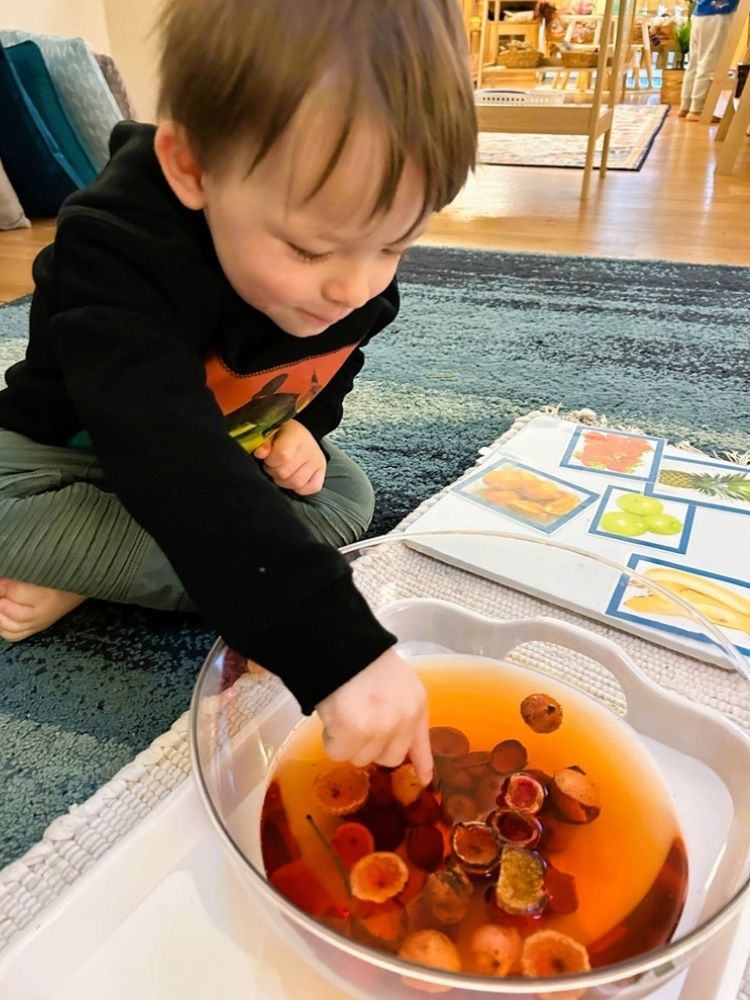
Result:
[[309, 262]]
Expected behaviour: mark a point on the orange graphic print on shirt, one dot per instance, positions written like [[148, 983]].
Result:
[[257, 405]]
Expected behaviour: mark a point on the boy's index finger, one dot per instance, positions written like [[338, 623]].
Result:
[[420, 753]]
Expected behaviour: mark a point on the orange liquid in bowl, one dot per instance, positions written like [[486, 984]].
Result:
[[629, 864]]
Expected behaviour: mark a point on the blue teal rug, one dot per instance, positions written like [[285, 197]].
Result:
[[482, 338]]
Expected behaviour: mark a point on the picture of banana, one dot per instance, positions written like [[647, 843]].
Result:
[[716, 602]]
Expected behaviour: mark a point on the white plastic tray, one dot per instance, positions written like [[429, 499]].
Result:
[[162, 917]]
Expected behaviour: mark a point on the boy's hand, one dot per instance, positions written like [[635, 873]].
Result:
[[379, 715], [294, 459]]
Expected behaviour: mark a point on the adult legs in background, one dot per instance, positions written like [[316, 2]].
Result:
[[707, 38]]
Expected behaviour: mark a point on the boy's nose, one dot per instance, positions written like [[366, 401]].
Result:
[[349, 288]]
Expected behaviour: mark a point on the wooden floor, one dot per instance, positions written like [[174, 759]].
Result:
[[674, 208]]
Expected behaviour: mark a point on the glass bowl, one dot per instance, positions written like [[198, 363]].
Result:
[[242, 717]]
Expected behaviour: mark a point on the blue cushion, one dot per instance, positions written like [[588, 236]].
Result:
[[36, 167], [27, 60], [84, 93]]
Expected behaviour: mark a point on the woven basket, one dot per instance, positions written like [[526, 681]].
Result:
[[519, 58], [579, 60]]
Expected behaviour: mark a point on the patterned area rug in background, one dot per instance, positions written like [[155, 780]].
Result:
[[482, 338], [633, 132]]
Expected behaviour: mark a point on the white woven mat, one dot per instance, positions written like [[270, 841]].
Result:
[[73, 842]]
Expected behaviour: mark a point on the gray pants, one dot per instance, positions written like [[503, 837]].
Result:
[[60, 527]]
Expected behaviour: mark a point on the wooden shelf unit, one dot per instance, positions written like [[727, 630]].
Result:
[[593, 120]]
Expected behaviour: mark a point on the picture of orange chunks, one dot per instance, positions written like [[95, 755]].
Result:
[[527, 494]]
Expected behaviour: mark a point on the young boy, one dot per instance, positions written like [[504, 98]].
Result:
[[197, 324]]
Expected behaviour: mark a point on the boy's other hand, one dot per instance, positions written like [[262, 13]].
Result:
[[294, 459], [379, 716]]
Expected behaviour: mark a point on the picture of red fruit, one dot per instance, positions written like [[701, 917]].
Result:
[[615, 452]]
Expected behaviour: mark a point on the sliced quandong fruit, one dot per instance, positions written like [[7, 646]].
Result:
[[341, 790], [550, 953], [522, 792], [514, 827], [575, 795], [495, 950], [352, 841], [432, 948], [476, 846], [378, 877], [384, 925], [542, 713], [520, 886], [445, 741], [508, 756], [425, 846], [405, 784], [448, 894]]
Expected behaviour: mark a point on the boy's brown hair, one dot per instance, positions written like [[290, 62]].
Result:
[[234, 72]]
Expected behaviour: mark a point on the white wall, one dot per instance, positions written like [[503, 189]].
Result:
[[134, 49], [120, 27], [59, 17]]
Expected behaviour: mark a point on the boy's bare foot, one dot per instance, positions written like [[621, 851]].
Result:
[[26, 608], [692, 116], [682, 113]]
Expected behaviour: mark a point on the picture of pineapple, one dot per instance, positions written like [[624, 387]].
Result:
[[730, 487]]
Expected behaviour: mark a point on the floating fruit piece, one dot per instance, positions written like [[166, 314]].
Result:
[[426, 809], [445, 741], [279, 843], [664, 524], [509, 756], [341, 790], [549, 953], [378, 877], [451, 776], [561, 889], [425, 847], [405, 784], [475, 761], [460, 808], [519, 828], [544, 779], [617, 522], [520, 887], [476, 846], [575, 795], [522, 792], [636, 503], [381, 792], [542, 713], [432, 948], [495, 951], [385, 823], [383, 925], [352, 841], [297, 882], [448, 894], [416, 883], [488, 788]]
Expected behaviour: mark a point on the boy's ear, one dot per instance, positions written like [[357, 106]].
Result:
[[178, 163]]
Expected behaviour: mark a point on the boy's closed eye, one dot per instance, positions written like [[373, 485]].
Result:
[[311, 257]]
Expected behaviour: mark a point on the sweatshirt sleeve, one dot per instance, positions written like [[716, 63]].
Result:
[[324, 414], [132, 361]]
